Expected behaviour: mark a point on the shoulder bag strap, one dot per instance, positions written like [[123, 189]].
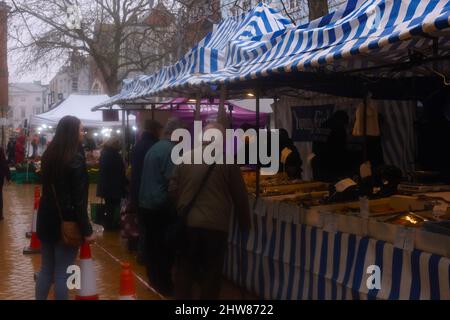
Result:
[[202, 184]]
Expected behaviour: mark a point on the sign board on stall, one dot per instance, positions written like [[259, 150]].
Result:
[[307, 122], [110, 115]]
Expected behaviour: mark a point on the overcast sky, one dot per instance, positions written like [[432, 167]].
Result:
[[38, 75]]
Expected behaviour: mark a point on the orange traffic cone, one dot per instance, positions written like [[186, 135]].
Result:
[[37, 195], [88, 289], [35, 244], [127, 289]]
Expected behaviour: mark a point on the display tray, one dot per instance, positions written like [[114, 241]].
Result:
[[291, 189], [279, 179], [384, 222], [309, 199], [411, 188], [387, 218]]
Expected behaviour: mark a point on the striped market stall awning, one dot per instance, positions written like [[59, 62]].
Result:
[[361, 35]]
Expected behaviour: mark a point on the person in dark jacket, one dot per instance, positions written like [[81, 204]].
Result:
[[11, 150], [64, 184], [331, 162], [149, 137], [112, 180], [290, 160], [34, 146], [4, 173]]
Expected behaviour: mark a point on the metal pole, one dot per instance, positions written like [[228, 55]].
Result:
[[197, 107], [366, 101], [230, 109], [123, 134], [222, 114], [258, 164], [127, 137]]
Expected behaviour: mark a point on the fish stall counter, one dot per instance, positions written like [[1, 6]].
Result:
[[389, 248]]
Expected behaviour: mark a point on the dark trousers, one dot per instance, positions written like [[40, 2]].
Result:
[[142, 244], [111, 207], [201, 263], [1, 200], [159, 258]]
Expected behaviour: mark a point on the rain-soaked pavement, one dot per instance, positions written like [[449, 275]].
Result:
[[17, 270]]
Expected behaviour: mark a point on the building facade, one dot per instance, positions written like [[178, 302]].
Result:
[[296, 9], [26, 99], [73, 77]]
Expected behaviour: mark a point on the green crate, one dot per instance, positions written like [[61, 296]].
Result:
[[23, 178]]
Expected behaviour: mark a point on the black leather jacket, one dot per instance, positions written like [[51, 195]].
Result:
[[72, 194]]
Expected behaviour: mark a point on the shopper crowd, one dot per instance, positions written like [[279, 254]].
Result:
[[199, 198]]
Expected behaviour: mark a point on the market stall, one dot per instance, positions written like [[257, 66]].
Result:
[[299, 248], [97, 127], [238, 112], [78, 106]]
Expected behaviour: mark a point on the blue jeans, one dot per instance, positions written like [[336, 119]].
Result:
[[55, 259]]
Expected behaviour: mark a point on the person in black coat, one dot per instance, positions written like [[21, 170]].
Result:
[[332, 161], [11, 151], [112, 180], [4, 174], [149, 137], [65, 185]]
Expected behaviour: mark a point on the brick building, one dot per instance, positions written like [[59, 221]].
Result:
[[4, 101]]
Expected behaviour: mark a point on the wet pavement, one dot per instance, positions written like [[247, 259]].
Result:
[[17, 270]]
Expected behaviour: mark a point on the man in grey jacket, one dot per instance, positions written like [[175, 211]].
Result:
[[223, 194]]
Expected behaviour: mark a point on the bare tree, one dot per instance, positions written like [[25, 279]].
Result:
[[317, 8], [195, 18], [115, 34], [121, 37]]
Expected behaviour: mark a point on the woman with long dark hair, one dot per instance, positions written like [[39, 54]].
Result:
[[64, 185]]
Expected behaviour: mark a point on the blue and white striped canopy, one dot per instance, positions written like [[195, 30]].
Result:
[[362, 33]]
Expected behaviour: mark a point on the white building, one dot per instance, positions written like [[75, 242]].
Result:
[[297, 9], [74, 77], [26, 99]]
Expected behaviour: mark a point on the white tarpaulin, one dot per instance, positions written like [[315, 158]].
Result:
[[79, 106]]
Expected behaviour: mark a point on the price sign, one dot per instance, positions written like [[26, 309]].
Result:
[[404, 238], [410, 236], [329, 222]]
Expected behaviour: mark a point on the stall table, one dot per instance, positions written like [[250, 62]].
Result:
[[293, 252]]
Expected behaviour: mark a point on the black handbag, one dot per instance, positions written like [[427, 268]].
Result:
[[176, 233]]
